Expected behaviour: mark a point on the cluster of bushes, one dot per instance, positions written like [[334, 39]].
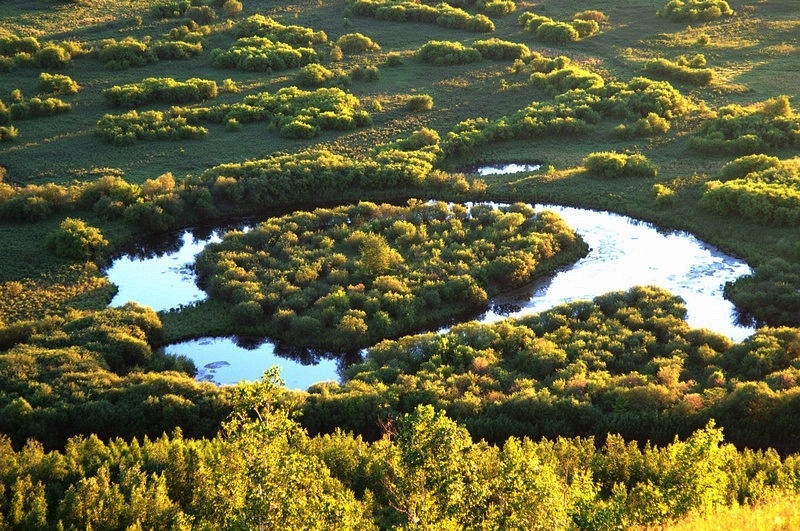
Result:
[[85, 374], [584, 24], [443, 14], [76, 240], [443, 53], [758, 188], [128, 128], [770, 296], [496, 8], [27, 51], [613, 165], [313, 75], [23, 109], [57, 84], [294, 112], [695, 10], [356, 43], [650, 125], [740, 130], [260, 54], [347, 277], [129, 52], [261, 26], [585, 100], [163, 89], [624, 363], [687, 69], [170, 9]]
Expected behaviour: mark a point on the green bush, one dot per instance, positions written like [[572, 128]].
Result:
[[164, 90], [683, 68], [313, 75], [356, 43], [419, 103], [695, 10], [611, 164], [556, 32], [76, 240], [500, 50], [57, 84], [128, 52], [497, 8], [444, 53], [260, 54]]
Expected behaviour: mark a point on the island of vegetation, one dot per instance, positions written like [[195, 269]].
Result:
[[342, 130]]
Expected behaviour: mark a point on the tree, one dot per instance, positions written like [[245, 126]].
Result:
[[76, 240]]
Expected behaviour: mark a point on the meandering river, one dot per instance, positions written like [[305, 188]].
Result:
[[624, 253]]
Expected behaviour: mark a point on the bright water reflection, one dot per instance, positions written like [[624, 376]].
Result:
[[624, 253]]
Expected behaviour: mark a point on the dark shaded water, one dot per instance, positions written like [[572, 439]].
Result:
[[624, 253]]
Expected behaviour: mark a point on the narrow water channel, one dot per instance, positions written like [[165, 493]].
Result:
[[624, 253]]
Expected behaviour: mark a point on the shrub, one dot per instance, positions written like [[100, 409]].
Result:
[[125, 53], [313, 75], [164, 89], [741, 167], [497, 8], [500, 50], [612, 164], [419, 103], [232, 8], [356, 43], [692, 10], [201, 14], [597, 16], [585, 28], [52, 56], [556, 32], [443, 53], [57, 84], [76, 240], [365, 73], [394, 59], [169, 9], [8, 133], [689, 70]]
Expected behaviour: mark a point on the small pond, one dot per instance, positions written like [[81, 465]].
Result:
[[624, 253]]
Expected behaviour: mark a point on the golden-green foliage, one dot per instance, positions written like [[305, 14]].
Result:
[[691, 10], [374, 271]]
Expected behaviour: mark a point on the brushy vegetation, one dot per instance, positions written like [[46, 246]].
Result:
[[349, 277]]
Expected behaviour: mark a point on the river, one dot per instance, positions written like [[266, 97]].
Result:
[[624, 253]]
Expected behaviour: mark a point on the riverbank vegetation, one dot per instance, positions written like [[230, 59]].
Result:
[[396, 99]]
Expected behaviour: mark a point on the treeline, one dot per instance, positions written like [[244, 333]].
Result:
[[425, 471], [624, 363], [347, 277]]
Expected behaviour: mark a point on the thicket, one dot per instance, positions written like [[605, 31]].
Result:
[[57, 84], [545, 29], [348, 277], [581, 98], [76, 240], [260, 54], [28, 52], [692, 10], [425, 472], [36, 107], [445, 53], [770, 296], [356, 43], [688, 69], [261, 26], [130, 52], [759, 189], [169, 9], [611, 164], [162, 90], [624, 363], [741, 130], [128, 128], [99, 373], [500, 50], [442, 14]]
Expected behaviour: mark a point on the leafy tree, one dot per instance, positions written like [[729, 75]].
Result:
[[76, 240]]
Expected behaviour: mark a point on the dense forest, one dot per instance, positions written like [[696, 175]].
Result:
[[348, 133]]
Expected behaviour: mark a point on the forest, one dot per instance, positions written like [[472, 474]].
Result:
[[348, 134]]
